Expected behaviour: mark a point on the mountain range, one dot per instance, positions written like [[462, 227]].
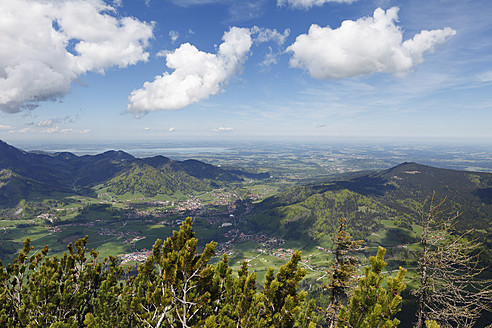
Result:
[[25, 173]]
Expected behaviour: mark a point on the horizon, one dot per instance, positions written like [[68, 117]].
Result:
[[122, 71], [237, 140]]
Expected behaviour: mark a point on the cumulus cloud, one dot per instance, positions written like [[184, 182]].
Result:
[[197, 75], [172, 129], [368, 45], [306, 4], [47, 44], [221, 129], [5, 127]]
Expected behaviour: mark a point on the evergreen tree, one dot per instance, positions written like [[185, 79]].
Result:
[[46, 291], [175, 287], [172, 287], [281, 303], [372, 305], [342, 271], [238, 304]]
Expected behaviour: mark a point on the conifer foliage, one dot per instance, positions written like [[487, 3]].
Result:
[[43, 291], [342, 271], [372, 305], [175, 287]]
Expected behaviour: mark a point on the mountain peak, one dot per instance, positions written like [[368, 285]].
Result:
[[116, 155]]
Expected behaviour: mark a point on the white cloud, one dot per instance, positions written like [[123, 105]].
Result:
[[270, 58], [174, 35], [368, 45], [261, 35], [197, 75], [24, 130], [221, 129], [47, 44], [52, 121], [172, 129], [266, 35], [147, 129], [50, 130], [6, 127], [45, 123], [306, 4], [163, 53]]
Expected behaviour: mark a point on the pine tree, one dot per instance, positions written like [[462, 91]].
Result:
[[172, 288], [372, 305], [342, 271], [175, 287], [45, 291], [282, 304], [238, 304]]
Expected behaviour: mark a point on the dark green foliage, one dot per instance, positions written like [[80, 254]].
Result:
[[175, 287], [172, 285], [395, 194], [318, 214], [237, 301], [341, 272], [372, 305], [281, 303], [150, 181], [43, 291]]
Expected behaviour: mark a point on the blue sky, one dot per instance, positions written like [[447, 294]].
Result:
[[155, 70]]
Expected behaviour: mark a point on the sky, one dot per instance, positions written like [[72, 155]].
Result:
[[163, 70]]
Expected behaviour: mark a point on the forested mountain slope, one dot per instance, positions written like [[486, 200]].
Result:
[[395, 194]]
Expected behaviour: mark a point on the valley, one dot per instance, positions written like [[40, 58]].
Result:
[[258, 204], [247, 215]]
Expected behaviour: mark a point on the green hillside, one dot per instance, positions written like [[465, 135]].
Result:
[[150, 181], [370, 200]]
